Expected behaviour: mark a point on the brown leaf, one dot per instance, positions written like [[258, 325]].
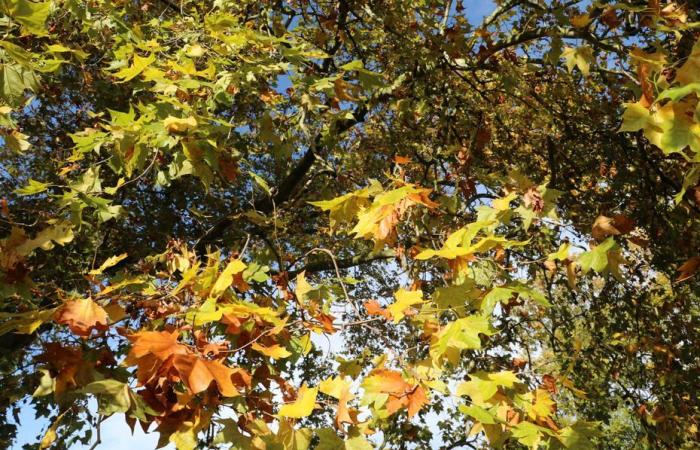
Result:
[[611, 226], [533, 199], [198, 374]]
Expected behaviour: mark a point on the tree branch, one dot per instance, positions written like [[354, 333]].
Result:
[[321, 266]]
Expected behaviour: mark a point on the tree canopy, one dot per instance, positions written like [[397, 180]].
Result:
[[351, 224]]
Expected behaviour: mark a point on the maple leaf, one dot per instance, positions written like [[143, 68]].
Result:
[[339, 389], [373, 308], [604, 226], [401, 394], [404, 300], [302, 406], [82, 316], [161, 344], [199, 373], [227, 277], [274, 351], [688, 268]]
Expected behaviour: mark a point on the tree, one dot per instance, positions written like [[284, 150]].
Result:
[[352, 224]]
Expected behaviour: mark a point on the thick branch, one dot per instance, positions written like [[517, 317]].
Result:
[[288, 186], [320, 266]]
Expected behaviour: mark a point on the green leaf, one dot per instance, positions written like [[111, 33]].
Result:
[[460, 335], [328, 439], [32, 15], [597, 257], [34, 187], [678, 93], [478, 413], [14, 80], [112, 396], [260, 181]]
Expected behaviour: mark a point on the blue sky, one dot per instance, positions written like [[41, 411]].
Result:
[[115, 433]]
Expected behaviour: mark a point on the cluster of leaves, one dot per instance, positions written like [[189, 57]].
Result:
[[351, 224]]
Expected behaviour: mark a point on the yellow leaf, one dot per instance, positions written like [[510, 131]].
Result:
[[24, 323], [335, 387], [302, 406], [226, 277], [107, 264], [275, 351], [50, 436], [580, 20], [404, 300], [178, 125], [137, 66], [303, 287], [542, 406]]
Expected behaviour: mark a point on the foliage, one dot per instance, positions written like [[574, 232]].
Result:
[[351, 224]]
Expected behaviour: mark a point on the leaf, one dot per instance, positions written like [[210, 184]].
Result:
[[328, 439], [50, 435], [225, 279], [138, 65], [635, 117], [478, 413], [611, 226], [404, 300], [34, 187], [388, 388], [355, 441], [560, 255], [14, 80], [462, 334], [113, 396], [260, 181], [580, 20], [529, 434], [688, 268], [161, 344], [82, 316], [689, 72], [302, 287], [677, 93], [579, 436], [32, 15], [581, 57], [199, 373], [177, 125], [47, 384], [597, 258], [275, 351], [24, 323], [302, 406], [109, 262], [482, 386]]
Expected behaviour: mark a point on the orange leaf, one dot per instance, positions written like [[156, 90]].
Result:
[[161, 344], [688, 268], [198, 374], [82, 316], [398, 159], [374, 309], [416, 400]]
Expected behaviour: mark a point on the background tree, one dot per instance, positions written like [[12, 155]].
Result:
[[359, 224]]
